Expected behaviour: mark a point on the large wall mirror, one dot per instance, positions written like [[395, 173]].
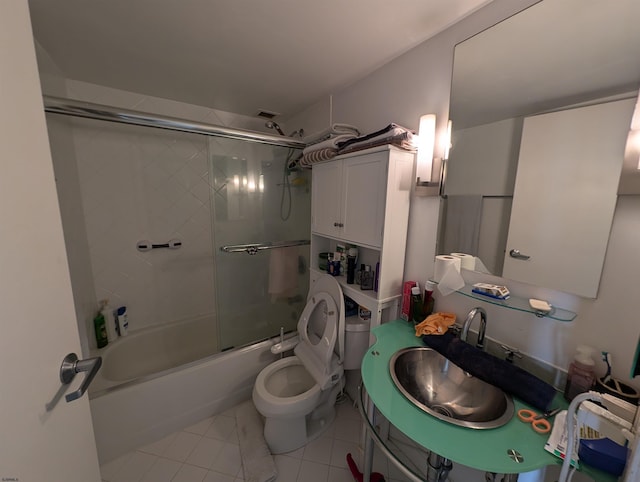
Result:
[[541, 106]]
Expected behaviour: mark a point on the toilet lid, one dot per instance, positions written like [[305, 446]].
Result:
[[329, 284], [318, 329]]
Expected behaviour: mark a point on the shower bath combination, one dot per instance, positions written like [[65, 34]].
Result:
[[191, 325]]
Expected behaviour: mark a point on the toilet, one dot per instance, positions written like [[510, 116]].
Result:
[[296, 395]]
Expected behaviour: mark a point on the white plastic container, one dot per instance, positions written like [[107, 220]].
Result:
[[109, 320], [356, 334], [581, 376]]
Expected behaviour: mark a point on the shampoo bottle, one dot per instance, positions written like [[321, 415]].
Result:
[[123, 321], [109, 320], [101, 330], [416, 305], [581, 376]]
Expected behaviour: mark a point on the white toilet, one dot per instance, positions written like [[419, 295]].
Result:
[[297, 394]]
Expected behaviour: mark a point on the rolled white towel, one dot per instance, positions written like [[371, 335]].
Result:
[[330, 143], [333, 129]]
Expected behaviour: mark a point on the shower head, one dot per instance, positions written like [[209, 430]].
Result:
[[274, 125]]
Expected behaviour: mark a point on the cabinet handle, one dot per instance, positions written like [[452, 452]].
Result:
[[338, 225]]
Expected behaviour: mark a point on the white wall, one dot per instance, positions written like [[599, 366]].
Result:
[[419, 82]]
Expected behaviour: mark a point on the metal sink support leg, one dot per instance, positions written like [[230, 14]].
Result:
[[438, 468], [367, 462], [372, 436]]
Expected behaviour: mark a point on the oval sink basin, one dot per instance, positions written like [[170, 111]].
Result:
[[442, 389]]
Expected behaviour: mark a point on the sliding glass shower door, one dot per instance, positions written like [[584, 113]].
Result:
[[258, 201]]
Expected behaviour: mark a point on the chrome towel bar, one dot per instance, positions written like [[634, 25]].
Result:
[[254, 248]]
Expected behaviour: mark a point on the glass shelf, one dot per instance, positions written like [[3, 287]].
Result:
[[519, 304]]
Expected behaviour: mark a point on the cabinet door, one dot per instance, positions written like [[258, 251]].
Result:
[[326, 200], [364, 194]]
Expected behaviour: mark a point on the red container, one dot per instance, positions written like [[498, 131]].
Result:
[[405, 312]]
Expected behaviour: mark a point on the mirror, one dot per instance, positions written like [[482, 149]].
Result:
[[551, 86]]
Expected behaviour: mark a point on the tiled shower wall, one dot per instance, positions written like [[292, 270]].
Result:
[[120, 184], [141, 184]]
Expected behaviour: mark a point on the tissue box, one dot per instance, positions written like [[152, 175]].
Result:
[[493, 291]]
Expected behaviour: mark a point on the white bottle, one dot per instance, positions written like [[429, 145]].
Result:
[[109, 320], [123, 321]]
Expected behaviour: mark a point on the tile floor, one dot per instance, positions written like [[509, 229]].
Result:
[[209, 452]]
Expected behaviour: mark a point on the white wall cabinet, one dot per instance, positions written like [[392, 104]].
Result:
[[348, 197], [362, 199]]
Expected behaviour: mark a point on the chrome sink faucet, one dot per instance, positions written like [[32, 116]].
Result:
[[483, 326]]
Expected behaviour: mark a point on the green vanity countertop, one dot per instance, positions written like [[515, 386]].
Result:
[[480, 449]]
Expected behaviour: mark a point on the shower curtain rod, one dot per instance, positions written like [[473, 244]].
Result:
[[76, 108]]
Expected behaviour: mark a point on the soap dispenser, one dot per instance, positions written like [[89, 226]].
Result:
[[581, 376]]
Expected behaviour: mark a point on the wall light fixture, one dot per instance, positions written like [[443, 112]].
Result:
[[426, 143], [428, 183]]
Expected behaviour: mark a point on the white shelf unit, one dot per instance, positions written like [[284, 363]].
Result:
[[362, 199]]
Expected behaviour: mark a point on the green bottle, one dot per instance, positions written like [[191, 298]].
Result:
[[101, 330]]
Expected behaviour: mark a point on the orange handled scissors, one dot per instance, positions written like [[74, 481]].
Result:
[[538, 421]]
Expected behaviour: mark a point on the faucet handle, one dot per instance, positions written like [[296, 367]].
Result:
[[456, 329], [510, 353]]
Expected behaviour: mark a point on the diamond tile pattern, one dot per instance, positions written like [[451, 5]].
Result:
[[138, 184]]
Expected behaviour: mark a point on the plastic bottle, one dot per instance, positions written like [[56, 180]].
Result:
[[416, 305], [101, 330], [428, 301], [351, 269], [123, 321], [109, 320], [581, 376]]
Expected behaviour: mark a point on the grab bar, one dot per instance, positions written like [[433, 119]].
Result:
[[254, 248]]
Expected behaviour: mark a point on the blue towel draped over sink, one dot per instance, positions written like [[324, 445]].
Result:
[[500, 373]]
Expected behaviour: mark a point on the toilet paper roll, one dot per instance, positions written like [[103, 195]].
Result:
[[467, 261], [446, 273], [443, 264]]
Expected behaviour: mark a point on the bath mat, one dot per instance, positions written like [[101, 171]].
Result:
[[257, 461]]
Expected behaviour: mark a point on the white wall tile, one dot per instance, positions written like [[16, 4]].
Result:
[[135, 185]]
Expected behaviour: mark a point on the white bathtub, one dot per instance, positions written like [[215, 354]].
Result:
[[154, 350], [140, 396]]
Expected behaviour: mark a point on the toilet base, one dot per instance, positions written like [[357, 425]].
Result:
[[288, 434]]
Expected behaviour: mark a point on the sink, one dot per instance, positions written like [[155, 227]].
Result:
[[442, 389]]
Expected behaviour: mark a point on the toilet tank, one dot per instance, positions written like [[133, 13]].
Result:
[[356, 342]]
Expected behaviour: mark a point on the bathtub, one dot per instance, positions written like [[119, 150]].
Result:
[[140, 395]]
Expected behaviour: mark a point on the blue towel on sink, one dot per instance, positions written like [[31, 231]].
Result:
[[504, 375]]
